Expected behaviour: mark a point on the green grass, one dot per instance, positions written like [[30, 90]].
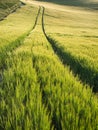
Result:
[[37, 91], [41, 92], [15, 25], [75, 33], [14, 29], [20, 97]]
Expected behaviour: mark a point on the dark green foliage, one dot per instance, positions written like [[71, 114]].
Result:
[[7, 7], [7, 3]]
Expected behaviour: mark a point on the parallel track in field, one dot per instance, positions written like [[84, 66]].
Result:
[[56, 50]]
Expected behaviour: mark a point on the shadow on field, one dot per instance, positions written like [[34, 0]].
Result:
[[77, 3], [85, 73]]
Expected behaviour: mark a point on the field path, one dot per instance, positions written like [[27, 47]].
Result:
[[61, 55], [37, 81]]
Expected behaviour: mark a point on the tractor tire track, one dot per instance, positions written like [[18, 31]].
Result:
[[4, 52], [45, 103], [35, 21], [86, 74]]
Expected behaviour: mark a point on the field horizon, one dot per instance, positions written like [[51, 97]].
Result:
[[93, 4]]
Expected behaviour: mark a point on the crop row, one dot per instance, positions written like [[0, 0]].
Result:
[[21, 100], [20, 97], [10, 41], [76, 50], [39, 93]]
